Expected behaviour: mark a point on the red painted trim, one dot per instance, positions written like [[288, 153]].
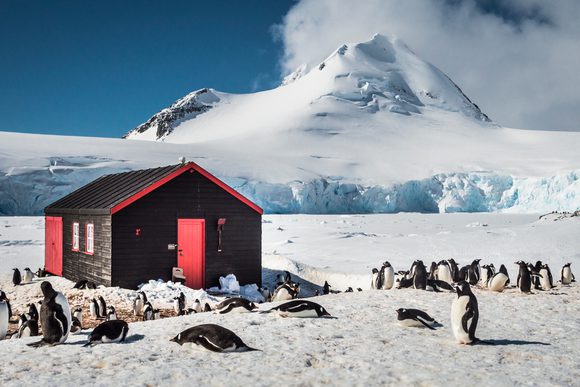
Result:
[[173, 175], [87, 239], [73, 237]]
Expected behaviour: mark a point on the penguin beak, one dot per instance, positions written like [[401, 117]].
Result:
[[174, 339]]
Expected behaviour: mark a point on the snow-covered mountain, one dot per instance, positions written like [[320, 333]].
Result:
[[373, 128]]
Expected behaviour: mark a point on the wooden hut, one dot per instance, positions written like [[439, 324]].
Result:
[[126, 228]]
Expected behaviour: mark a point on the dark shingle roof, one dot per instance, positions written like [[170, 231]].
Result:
[[109, 190]]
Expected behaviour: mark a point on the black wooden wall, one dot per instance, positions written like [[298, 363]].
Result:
[[79, 265], [138, 258]]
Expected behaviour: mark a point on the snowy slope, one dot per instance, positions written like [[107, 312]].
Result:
[[532, 335], [371, 129]]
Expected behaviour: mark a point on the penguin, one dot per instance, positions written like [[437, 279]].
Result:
[[265, 292], [197, 306], [525, 275], [156, 314], [22, 319], [546, 280], [419, 275], [388, 276], [375, 280], [301, 308], [464, 315], [474, 272], [415, 318], [325, 288], [4, 319], [16, 278], [190, 311], [112, 331], [94, 309], [55, 316], [213, 338], [285, 292], [235, 304], [102, 307], [179, 304], [85, 284], [402, 283], [462, 274], [486, 274], [28, 329], [454, 270], [404, 274], [111, 313], [359, 289], [349, 290], [566, 276], [432, 271], [536, 268], [28, 276], [498, 282], [437, 285], [207, 307], [503, 269], [444, 272], [282, 278], [139, 303], [41, 273], [77, 321], [148, 312], [5, 299], [33, 312]]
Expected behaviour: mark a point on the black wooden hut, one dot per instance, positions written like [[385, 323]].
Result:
[[126, 228]]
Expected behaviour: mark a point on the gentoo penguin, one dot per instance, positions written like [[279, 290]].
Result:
[[415, 318], [138, 305], [179, 304], [464, 315], [498, 282], [41, 273], [433, 271], [190, 311], [462, 274], [84, 284], [326, 288], [55, 316], [28, 276], [486, 274], [566, 276], [235, 304], [454, 270], [5, 299], [16, 278], [4, 318], [94, 309], [207, 307], [156, 314], [474, 272], [265, 292], [444, 272], [282, 278], [213, 338], [436, 285], [375, 280], [349, 290], [388, 276], [112, 331], [28, 329], [111, 313], [403, 282], [33, 312], [285, 292], [77, 321], [300, 308], [525, 275], [148, 312], [546, 280], [22, 319], [102, 307], [197, 306], [419, 275], [503, 269]]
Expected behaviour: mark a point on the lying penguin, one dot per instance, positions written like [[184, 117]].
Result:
[[213, 338], [112, 331], [235, 304], [415, 318], [301, 308]]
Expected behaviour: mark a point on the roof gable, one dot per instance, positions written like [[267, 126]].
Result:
[[112, 193]]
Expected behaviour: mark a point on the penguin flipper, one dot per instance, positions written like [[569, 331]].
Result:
[[424, 323], [227, 309], [204, 342]]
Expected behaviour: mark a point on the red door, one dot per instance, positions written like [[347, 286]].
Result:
[[191, 251], [53, 245]]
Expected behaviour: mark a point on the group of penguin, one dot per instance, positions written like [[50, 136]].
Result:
[[27, 277], [443, 274]]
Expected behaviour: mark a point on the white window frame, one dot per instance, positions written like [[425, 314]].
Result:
[[76, 245], [90, 239]]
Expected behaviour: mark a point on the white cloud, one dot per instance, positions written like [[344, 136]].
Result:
[[519, 60]]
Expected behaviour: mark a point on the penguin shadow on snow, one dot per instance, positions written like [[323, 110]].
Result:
[[307, 288], [501, 342]]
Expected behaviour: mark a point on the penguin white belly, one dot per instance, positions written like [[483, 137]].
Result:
[[307, 313], [497, 283], [389, 278], [93, 310], [444, 274], [27, 277], [374, 280], [282, 295], [458, 309], [545, 280], [567, 276], [3, 319], [138, 307], [176, 307], [410, 323], [62, 301]]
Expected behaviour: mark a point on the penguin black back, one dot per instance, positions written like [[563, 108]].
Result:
[[16, 277]]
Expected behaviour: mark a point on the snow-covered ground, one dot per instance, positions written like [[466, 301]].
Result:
[[534, 335]]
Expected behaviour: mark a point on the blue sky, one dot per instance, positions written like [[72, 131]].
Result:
[[100, 68]]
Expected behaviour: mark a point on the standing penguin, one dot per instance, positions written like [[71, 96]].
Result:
[[388, 276], [486, 274], [77, 321], [148, 312], [179, 304], [111, 313], [462, 274], [197, 306], [566, 276], [433, 271], [28, 276], [454, 270], [112, 331], [139, 303], [325, 288], [28, 329], [444, 272], [95, 309], [464, 315], [102, 307], [419, 275], [524, 281], [546, 280], [55, 316], [503, 269], [16, 278], [474, 272], [5, 299], [33, 312], [375, 280], [4, 318]]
